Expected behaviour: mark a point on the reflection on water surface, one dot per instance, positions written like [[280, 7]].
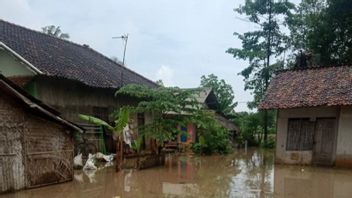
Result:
[[242, 174]]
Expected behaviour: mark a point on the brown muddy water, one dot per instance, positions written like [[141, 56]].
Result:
[[242, 174]]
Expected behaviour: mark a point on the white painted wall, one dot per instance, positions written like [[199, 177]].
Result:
[[344, 139], [11, 66], [297, 157], [344, 136]]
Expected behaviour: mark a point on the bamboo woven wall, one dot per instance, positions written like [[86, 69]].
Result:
[[34, 151], [11, 138], [49, 147]]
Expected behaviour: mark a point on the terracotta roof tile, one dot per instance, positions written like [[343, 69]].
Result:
[[326, 86]]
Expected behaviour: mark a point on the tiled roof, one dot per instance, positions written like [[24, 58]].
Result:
[[228, 124], [326, 86], [62, 58]]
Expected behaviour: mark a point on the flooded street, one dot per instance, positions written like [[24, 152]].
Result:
[[242, 174]]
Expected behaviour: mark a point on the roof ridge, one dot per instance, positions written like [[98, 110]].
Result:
[[42, 33], [311, 68], [81, 46]]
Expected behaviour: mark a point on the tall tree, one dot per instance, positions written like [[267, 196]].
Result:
[[223, 92], [302, 25], [322, 29], [260, 45], [55, 31]]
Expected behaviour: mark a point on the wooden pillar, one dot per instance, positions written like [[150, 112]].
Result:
[[119, 154]]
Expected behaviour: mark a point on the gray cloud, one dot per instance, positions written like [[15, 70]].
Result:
[[187, 37]]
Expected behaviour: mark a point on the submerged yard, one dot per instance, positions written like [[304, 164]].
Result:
[[249, 173]]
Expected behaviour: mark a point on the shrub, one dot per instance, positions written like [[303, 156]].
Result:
[[212, 137]]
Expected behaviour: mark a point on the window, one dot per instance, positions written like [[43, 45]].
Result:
[[300, 134]]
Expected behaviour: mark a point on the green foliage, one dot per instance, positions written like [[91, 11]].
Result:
[[55, 31], [212, 137], [172, 107], [223, 92], [163, 103], [160, 83], [270, 143], [95, 121], [251, 125], [259, 45], [322, 29], [137, 144], [120, 122]]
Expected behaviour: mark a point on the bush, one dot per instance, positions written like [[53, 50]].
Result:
[[270, 142], [212, 137]]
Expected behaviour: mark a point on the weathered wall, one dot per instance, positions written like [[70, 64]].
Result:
[[297, 157], [33, 150], [344, 138], [11, 148], [73, 98], [49, 152], [11, 66]]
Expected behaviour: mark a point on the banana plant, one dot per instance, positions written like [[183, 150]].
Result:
[[137, 144], [119, 123]]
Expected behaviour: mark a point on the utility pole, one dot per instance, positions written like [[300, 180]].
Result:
[[125, 39]]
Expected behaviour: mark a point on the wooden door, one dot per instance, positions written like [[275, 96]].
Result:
[[325, 138]]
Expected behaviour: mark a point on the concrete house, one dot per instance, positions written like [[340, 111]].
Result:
[[36, 144], [314, 115], [70, 77]]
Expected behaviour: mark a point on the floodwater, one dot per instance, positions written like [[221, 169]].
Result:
[[249, 173]]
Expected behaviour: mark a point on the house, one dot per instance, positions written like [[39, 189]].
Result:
[[208, 100], [314, 115], [36, 144], [72, 78]]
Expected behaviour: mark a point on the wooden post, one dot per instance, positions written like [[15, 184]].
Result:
[[119, 154]]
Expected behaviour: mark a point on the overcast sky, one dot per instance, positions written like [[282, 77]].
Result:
[[177, 41]]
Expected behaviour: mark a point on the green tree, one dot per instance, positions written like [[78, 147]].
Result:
[[172, 106], [160, 83], [55, 31], [223, 92], [260, 45], [160, 102], [322, 31], [251, 125]]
